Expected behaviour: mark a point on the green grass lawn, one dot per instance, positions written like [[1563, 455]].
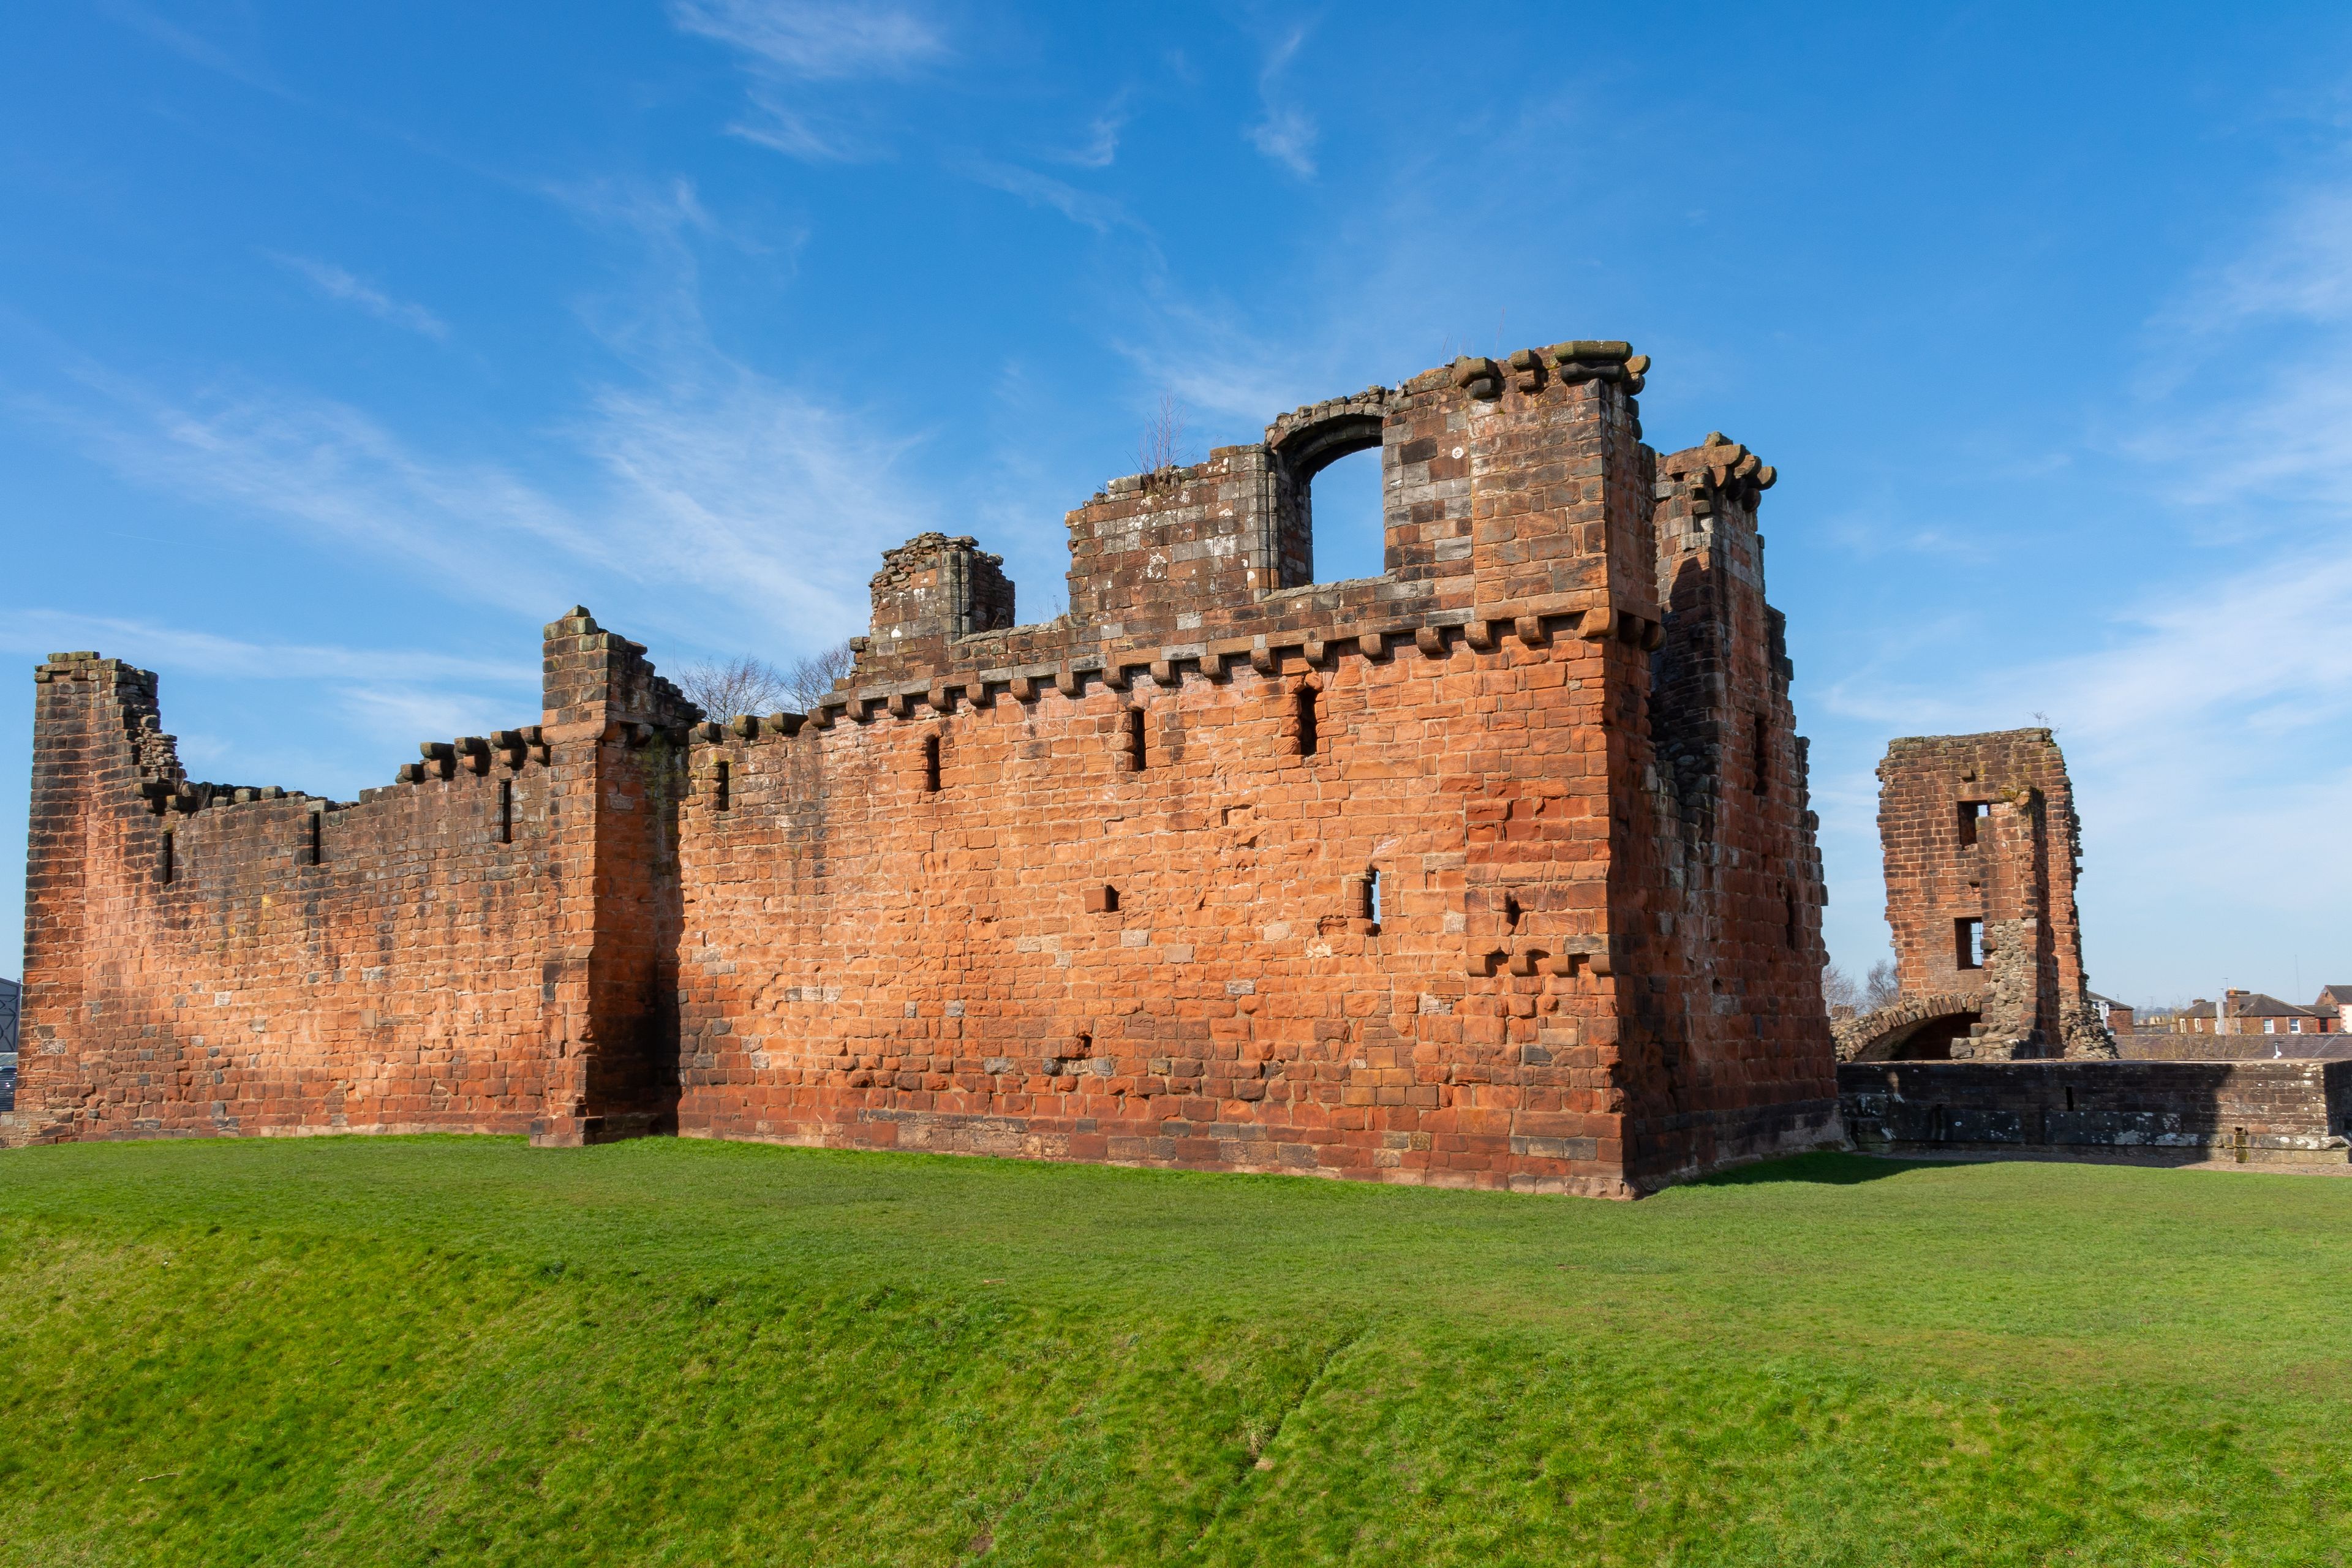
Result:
[[467, 1351]]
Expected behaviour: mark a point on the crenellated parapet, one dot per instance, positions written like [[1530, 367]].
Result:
[[1493, 867]]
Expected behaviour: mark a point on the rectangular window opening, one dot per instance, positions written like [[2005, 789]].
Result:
[[506, 811], [165, 866], [1137, 756], [1968, 943], [932, 763], [719, 783], [1971, 813], [1309, 736]]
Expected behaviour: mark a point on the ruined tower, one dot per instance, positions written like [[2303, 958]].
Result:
[[1982, 848], [1494, 869]]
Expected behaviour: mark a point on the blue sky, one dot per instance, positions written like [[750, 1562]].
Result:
[[342, 346]]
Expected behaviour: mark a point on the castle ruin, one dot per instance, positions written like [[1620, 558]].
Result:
[[1982, 848], [1496, 869]]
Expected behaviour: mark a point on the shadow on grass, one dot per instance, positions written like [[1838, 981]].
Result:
[[1831, 1170]]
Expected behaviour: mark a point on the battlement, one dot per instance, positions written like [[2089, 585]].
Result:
[[1494, 869], [1500, 482]]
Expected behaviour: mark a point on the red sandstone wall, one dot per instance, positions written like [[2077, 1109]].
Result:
[[1719, 871], [481, 947], [870, 963], [2017, 877], [394, 984], [1564, 753]]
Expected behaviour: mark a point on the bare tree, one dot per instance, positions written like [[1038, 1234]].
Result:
[[1880, 988], [724, 689], [1162, 445], [1838, 988], [810, 679]]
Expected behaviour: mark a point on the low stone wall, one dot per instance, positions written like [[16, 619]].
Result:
[[2232, 1047], [2255, 1112]]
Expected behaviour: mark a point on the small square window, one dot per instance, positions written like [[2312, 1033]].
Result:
[[1972, 813]]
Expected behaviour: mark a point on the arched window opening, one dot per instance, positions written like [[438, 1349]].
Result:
[[1331, 528], [1349, 529]]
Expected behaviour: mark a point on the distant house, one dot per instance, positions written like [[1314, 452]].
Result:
[[2253, 1013], [2335, 1002], [2117, 1016]]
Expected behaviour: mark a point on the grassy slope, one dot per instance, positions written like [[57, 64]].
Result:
[[411, 1351]]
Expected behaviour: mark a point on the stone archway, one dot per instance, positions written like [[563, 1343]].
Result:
[[1912, 1029]]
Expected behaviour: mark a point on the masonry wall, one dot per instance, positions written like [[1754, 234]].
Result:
[[212, 959], [1494, 870], [1567, 986], [2184, 1047], [2274, 1112], [1982, 827]]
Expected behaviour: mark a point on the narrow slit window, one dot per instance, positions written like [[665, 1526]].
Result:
[[1510, 913], [1971, 813], [1136, 755], [719, 785], [1968, 943], [164, 863], [310, 837], [932, 763], [1789, 906], [506, 811], [1308, 730], [1763, 752], [1368, 896]]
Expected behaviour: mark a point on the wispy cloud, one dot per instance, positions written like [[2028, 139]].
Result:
[[1283, 132], [2204, 726], [364, 708], [1100, 149], [2265, 339], [24, 630], [1100, 214], [333, 282], [720, 481], [691, 470], [190, 47], [809, 137], [816, 42], [791, 47]]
